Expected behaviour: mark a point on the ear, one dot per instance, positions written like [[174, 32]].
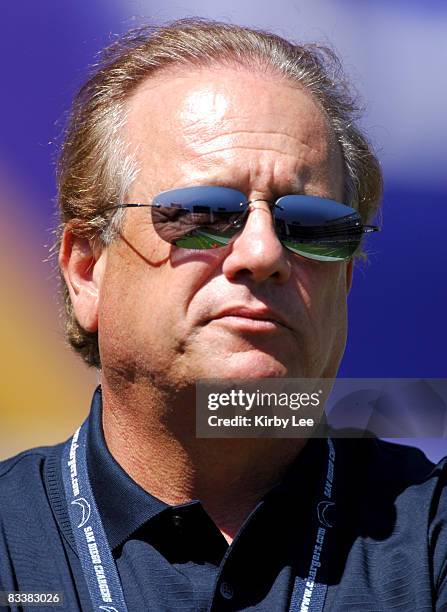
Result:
[[83, 267], [349, 273]]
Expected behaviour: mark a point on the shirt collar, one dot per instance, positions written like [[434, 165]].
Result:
[[124, 506]]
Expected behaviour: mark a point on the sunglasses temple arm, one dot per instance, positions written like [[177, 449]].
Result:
[[131, 205]]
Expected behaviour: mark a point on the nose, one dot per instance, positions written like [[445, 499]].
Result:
[[257, 253]]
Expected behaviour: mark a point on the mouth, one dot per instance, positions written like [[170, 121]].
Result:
[[251, 319]]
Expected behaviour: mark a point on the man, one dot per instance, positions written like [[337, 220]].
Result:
[[136, 512]]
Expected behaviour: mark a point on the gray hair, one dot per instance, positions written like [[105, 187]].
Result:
[[96, 168]]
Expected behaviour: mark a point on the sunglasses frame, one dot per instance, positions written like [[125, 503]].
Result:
[[357, 230]]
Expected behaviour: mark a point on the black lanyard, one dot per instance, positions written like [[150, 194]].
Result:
[[96, 558]]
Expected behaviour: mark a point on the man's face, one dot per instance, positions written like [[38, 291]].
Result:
[[178, 315]]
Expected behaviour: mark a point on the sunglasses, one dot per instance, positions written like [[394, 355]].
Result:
[[209, 217]]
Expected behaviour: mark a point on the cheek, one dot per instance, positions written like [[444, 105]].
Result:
[[145, 302], [116, 314], [334, 312], [191, 273], [324, 290]]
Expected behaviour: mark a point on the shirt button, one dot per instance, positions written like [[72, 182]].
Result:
[[178, 521], [226, 590]]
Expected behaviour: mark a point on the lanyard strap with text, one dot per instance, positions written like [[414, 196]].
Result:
[[309, 594], [96, 558], [94, 552]]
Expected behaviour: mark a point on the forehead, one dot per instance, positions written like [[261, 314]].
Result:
[[228, 125]]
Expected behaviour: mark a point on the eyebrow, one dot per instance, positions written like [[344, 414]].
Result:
[[298, 183], [295, 188]]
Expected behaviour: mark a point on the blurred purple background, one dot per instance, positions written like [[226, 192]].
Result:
[[395, 54]]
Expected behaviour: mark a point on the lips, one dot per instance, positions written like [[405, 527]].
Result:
[[254, 314]]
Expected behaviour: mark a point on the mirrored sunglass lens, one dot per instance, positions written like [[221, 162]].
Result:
[[322, 252], [318, 228], [198, 217]]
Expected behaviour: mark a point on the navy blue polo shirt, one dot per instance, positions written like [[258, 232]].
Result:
[[389, 550]]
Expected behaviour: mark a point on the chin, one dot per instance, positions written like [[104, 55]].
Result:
[[245, 367]]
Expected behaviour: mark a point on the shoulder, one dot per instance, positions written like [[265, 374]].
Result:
[[22, 477], [418, 484], [409, 469], [32, 537], [387, 464], [12, 466], [395, 503], [390, 488], [25, 457], [403, 456]]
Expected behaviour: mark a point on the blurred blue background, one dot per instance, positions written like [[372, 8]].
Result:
[[395, 53]]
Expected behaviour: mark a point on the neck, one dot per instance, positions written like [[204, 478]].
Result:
[[152, 436]]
